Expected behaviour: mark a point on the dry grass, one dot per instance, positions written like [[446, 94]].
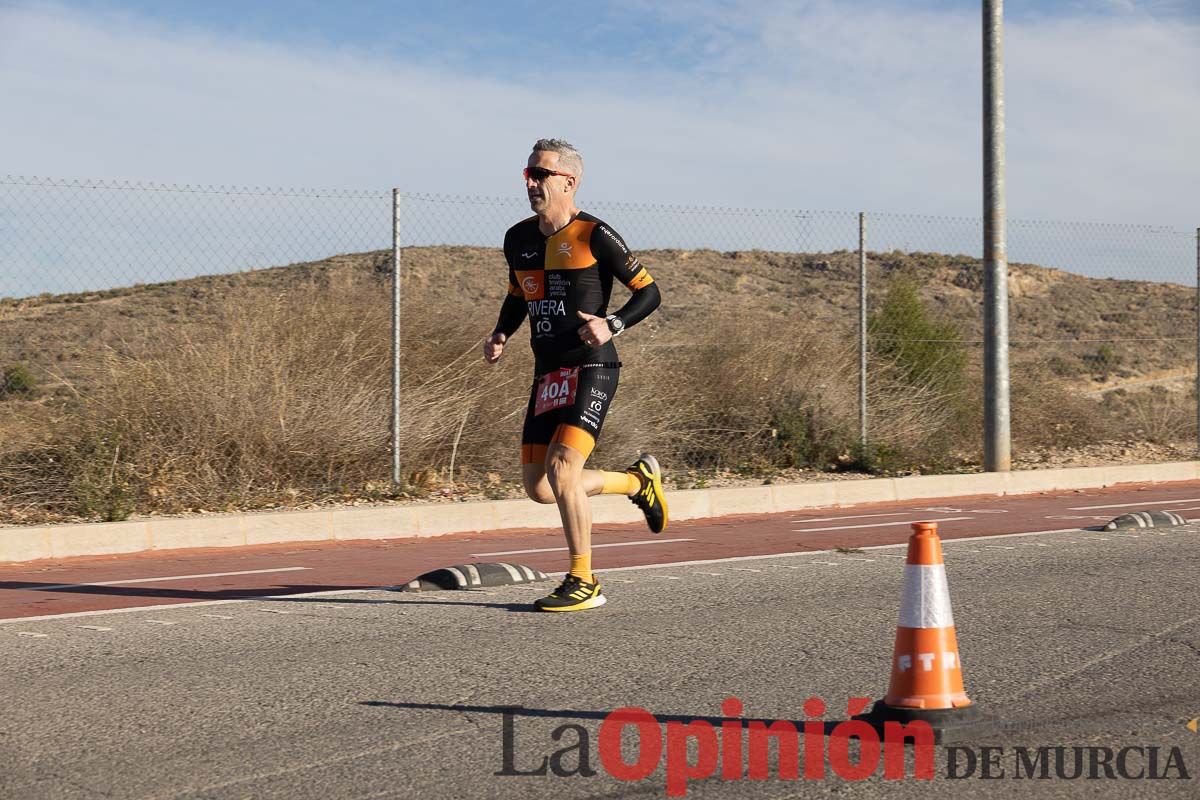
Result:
[[278, 393]]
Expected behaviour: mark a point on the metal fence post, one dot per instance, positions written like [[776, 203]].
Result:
[[395, 423], [862, 332], [997, 453]]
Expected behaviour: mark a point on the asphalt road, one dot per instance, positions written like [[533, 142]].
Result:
[[1073, 638], [78, 585]]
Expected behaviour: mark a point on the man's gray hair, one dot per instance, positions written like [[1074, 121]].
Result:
[[568, 156]]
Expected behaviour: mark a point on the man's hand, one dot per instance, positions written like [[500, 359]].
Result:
[[493, 347], [594, 330]]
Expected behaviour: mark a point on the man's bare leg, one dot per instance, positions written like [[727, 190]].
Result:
[[565, 474], [537, 486]]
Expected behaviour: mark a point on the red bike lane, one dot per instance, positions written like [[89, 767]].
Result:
[[140, 580]]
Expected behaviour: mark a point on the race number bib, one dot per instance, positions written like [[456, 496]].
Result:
[[556, 390]]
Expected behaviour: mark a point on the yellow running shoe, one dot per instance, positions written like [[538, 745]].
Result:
[[650, 498], [573, 594]]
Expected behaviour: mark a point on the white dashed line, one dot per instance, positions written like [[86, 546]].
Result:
[[93, 627], [877, 524], [33, 635], [127, 581], [855, 516], [1130, 505], [563, 549]]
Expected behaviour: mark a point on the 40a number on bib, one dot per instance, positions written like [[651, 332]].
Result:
[[556, 390]]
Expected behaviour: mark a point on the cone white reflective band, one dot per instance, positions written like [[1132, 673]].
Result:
[[472, 575], [512, 572], [529, 576], [926, 599]]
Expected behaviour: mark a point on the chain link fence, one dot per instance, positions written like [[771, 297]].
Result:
[[178, 347]]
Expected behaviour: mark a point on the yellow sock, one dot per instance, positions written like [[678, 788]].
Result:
[[581, 567], [625, 483]]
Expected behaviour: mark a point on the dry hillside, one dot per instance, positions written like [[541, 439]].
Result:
[[1083, 327], [270, 388]]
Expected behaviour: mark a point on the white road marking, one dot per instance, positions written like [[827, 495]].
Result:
[[159, 580], [1104, 518], [1130, 505], [877, 524], [217, 616], [695, 563], [33, 635], [855, 516], [161, 622], [714, 574], [563, 549], [745, 569], [273, 611], [1037, 684], [93, 627]]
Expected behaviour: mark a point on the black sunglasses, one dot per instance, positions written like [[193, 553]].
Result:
[[540, 174]]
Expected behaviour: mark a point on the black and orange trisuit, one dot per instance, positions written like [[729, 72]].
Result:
[[550, 278]]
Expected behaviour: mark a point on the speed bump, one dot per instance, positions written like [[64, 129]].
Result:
[[1145, 519], [473, 576]]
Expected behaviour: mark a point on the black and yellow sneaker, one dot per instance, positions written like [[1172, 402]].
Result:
[[573, 594], [650, 498]]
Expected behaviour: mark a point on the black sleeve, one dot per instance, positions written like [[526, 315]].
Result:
[[512, 314], [612, 255], [514, 309]]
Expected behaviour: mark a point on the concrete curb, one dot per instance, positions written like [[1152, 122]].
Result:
[[399, 522]]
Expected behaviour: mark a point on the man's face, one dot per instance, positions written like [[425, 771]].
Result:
[[553, 192]]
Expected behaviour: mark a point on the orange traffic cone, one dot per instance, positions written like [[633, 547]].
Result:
[[926, 679]]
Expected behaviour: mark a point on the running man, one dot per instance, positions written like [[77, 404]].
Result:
[[561, 267]]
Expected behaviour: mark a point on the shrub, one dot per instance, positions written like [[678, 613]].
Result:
[[18, 380], [926, 353]]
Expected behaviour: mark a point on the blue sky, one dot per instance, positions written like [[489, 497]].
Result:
[[801, 104]]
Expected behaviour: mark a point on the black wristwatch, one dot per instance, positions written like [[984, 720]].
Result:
[[615, 325]]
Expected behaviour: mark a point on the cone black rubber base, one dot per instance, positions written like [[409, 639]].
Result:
[[948, 724]]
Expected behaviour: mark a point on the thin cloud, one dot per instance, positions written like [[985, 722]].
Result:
[[818, 105]]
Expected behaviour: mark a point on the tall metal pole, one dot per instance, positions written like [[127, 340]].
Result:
[[1198, 338], [997, 453], [396, 338], [862, 332]]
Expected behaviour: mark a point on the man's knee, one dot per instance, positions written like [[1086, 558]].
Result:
[[539, 491], [533, 477], [563, 469]]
